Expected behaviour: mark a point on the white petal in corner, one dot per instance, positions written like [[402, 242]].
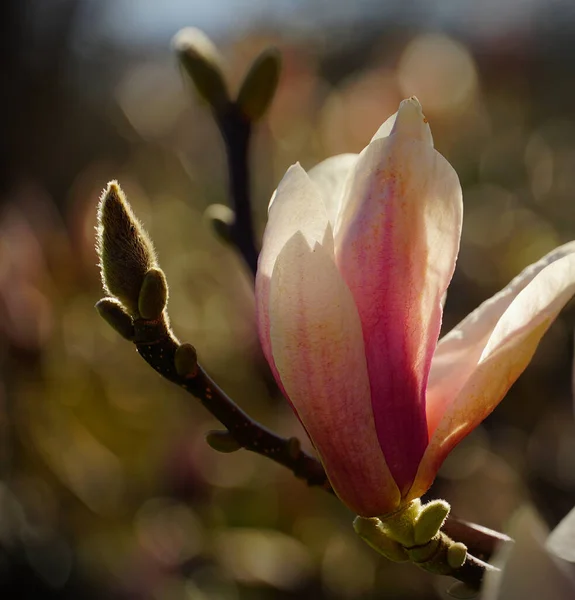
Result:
[[561, 542], [459, 351], [508, 351], [527, 570], [330, 177], [318, 350]]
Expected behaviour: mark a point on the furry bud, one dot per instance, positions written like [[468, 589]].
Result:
[[125, 250]]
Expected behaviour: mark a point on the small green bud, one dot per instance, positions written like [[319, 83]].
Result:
[[125, 250], [456, 555], [222, 441], [260, 84], [220, 218], [371, 531], [186, 361], [153, 295], [399, 525], [430, 520], [201, 60], [114, 314]]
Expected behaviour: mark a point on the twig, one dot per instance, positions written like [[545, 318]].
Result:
[[472, 572], [236, 131], [482, 541], [157, 345]]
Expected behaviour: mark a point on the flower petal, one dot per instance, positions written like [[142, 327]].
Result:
[[458, 352], [295, 206], [396, 243], [412, 117], [330, 177], [318, 350], [511, 346]]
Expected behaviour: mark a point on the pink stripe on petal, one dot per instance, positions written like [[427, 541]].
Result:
[[318, 350], [459, 351], [510, 347], [396, 247]]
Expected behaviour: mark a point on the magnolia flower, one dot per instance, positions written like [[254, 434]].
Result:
[[356, 258]]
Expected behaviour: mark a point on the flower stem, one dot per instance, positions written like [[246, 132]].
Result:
[[236, 132]]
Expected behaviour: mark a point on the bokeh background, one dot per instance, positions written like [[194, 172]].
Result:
[[107, 487]]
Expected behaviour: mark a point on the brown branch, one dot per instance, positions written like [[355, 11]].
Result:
[[236, 131], [157, 345], [482, 541], [472, 572]]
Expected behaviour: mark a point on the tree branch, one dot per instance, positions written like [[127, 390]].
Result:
[[236, 131], [157, 345]]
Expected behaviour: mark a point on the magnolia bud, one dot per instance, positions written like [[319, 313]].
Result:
[[371, 531], [260, 84], [202, 62], [125, 250]]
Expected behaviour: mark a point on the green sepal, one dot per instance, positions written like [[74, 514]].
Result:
[[399, 525], [426, 553], [112, 311], [222, 441], [430, 520], [456, 555], [260, 84], [371, 531], [153, 294]]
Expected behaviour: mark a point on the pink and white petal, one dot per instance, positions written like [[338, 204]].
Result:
[[505, 356], [330, 177], [318, 350], [295, 206], [459, 351], [396, 247], [415, 124]]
